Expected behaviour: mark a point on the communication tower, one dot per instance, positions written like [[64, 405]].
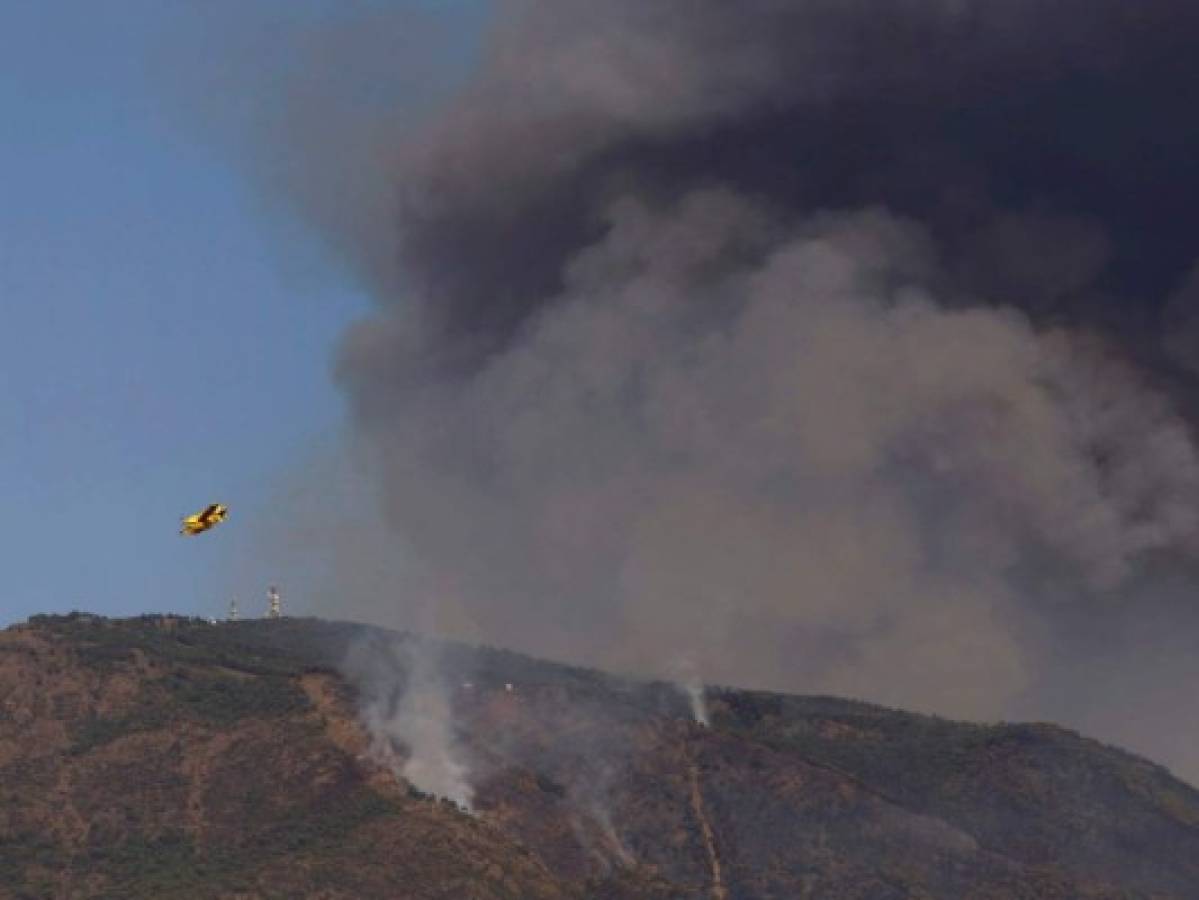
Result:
[[233, 610], [275, 610]]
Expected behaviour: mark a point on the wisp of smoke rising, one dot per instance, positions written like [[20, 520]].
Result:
[[686, 676], [699, 706]]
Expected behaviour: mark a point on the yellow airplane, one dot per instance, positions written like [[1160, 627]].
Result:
[[208, 517]]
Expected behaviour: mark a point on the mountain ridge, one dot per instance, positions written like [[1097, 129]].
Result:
[[168, 757]]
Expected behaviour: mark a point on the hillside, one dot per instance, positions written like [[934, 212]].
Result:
[[165, 757]]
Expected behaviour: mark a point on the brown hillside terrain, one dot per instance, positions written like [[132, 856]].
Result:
[[164, 757]]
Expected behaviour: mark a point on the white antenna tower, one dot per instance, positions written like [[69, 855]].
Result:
[[233, 610], [275, 611]]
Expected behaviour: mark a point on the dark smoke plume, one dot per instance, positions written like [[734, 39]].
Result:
[[823, 345], [1048, 145]]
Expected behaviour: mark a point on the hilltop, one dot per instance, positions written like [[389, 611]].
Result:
[[164, 757]]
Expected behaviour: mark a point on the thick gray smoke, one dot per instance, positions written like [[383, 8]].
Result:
[[833, 346], [797, 468]]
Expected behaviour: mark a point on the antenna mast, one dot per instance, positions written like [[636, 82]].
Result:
[[275, 610]]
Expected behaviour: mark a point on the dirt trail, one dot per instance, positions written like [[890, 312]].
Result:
[[719, 891], [341, 725], [197, 767]]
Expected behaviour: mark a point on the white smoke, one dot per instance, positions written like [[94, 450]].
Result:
[[592, 828], [686, 676], [603, 818], [407, 711]]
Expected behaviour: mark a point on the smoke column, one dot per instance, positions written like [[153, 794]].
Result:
[[406, 710], [838, 346], [699, 707], [688, 679]]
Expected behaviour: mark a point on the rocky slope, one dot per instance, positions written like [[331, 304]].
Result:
[[165, 757]]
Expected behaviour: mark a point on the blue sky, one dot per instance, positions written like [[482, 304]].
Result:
[[165, 341]]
